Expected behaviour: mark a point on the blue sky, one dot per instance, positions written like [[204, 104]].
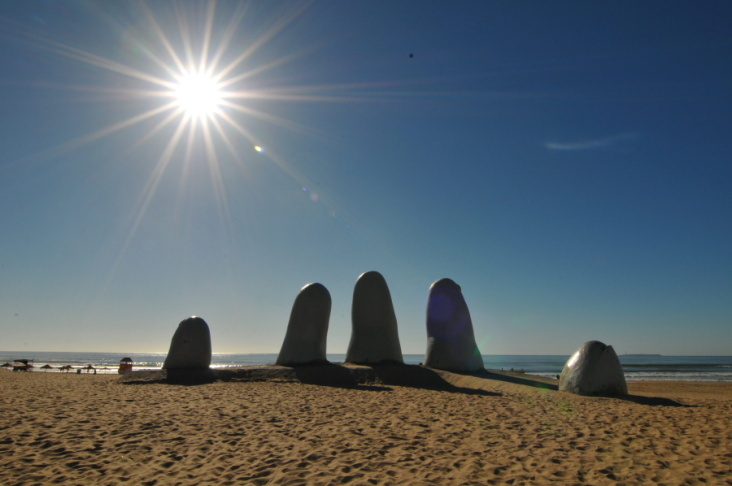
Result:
[[566, 163]]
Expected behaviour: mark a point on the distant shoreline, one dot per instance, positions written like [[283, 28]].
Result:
[[637, 367]]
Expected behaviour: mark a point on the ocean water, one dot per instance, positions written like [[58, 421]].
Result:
[[635, 367]]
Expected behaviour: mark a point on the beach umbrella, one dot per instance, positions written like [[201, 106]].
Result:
[[125, 365], [22, 365], [88, 367], [7, 365], [46, 367]]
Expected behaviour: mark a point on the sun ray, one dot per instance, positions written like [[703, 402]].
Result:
[[99, 61], [172, 116], [256, 71], [268, 117], [237, 127], [279, 161], [226, 39], [124, 124], [266, 37], [215, 121], [148, 193], [150, 188], [217, 179], [305, 93], [166, 44], [186, 164], [76, 143], [203, 62], [185, 37]]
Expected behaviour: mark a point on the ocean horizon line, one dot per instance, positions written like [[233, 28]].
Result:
[[635, 367]]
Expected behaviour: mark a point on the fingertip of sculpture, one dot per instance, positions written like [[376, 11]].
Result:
[[190, 347], [374, 333], [594, 369], [450, 338], [307, 330]]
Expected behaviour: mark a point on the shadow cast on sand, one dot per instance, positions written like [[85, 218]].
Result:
[[378, 377], [491, 375], [186, 377], [374, 377], [653, 401], [547, 385], [329, 374], [416, 376]]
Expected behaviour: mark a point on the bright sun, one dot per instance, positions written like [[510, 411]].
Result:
[[198, 94]]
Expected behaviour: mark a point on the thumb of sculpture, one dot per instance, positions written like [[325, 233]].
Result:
[[190, 347]]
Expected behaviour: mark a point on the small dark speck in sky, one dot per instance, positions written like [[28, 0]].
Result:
[[411, 55]]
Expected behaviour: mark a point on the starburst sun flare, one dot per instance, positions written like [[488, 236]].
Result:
[[206, 85], [193, 82]]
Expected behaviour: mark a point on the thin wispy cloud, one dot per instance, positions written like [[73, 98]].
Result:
[[593, 144]]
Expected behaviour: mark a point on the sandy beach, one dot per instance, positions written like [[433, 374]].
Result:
[[93, 429]]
